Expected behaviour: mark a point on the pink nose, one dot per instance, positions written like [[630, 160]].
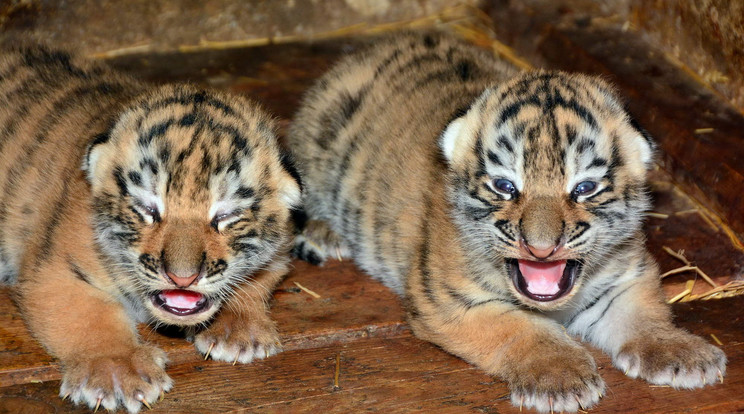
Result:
[[542, 253], [182, 281]]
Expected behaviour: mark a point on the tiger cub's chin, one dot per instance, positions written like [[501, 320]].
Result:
[[125, 203], [504, 207]]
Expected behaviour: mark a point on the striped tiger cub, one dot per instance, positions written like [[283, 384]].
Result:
[[124, 203], [504, 207]]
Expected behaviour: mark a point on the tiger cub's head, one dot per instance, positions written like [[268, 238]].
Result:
[[191, 197], [547, 178]]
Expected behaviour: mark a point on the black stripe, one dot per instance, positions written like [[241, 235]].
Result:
[[25, 158], [201, 98], [598, 162], [593, 302], [494, 158], [216, 267], [75, 269], [288, 164], [135, 177], [52, 60], [121, 183], [609, 188], [580, 110], [513, 109], [239, 141], [584, 227], [570, 134], [465, 70], [245, 192], [424, 253], [342, 170], [502, 226], [504, 143], [604, 311], [155, 131], [50, 227], [584, 145]]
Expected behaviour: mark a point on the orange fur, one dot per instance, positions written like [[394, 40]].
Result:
[[449, 176], [123, 203]]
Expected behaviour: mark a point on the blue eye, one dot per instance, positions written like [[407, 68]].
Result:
[[585, 188], [504, 186]]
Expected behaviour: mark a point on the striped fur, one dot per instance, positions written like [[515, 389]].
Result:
[[441, 170], [114, 193]]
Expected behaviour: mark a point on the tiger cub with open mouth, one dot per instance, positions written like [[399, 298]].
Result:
[[124, 203], [504, 207]]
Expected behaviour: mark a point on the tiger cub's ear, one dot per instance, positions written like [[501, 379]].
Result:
[[290, 184], [93, 154], [643, 144], [458, 137]]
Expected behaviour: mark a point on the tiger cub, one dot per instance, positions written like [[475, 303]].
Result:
[[504, 207], [125, 203]]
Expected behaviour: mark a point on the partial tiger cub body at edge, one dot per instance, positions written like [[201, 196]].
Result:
[[504, 207], [124, 203]]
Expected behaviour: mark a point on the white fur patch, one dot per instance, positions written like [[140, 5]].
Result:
[[566, 402], [90, 163], [227, 351], [290, 193], [645, 152], [448, 140]]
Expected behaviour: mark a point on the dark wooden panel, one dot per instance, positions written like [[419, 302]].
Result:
[[351, 306], [401, 373]]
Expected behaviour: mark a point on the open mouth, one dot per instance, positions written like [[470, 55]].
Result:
[[543, 281], [180, 302]]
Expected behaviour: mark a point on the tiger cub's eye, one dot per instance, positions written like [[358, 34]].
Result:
[[504, 186], [585, 188], [221, 218], [149, 211]]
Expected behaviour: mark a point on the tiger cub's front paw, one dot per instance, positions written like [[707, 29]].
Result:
[[674, 358], [562, 378], [232, 338], [131, 380], [317, 243]]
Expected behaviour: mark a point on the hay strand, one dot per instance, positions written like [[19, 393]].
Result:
[[338, 372], [308, 291]]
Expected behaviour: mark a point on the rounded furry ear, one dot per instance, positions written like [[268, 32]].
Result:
[[644, 143], [448, 140], [290, 188], [93, 154], [457, 139]]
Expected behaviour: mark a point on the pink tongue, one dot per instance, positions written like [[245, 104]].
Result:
[[181, 299], [542, 277]]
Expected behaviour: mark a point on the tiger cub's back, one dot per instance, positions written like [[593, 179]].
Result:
[[347, 136], [54, 97]]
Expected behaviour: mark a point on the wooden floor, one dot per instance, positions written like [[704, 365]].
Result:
[[350, 349]]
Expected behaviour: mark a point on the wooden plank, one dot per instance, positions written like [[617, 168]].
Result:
[[401, 373], [304, 321]]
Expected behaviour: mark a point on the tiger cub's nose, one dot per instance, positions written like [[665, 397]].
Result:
[[542, 253], [179, 281]]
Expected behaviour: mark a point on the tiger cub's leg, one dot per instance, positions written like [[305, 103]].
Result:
[[243, 330], [103, 361], [634, 326], [544, 367], [318, 242]]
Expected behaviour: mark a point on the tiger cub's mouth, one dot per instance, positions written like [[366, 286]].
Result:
[[181, 302], [543, 281]]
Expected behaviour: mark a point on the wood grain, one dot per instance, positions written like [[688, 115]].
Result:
[[401, 373]]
